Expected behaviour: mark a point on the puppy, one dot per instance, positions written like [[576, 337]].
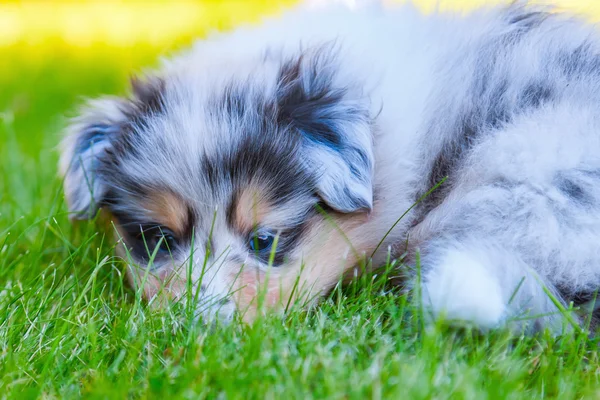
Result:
[[262, 165]]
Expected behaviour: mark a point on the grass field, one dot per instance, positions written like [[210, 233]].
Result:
[[70, 328]]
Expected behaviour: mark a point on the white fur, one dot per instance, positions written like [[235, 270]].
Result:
[[462, 288]]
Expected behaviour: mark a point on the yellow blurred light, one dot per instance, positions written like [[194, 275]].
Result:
[[121, 24], [125, 24]]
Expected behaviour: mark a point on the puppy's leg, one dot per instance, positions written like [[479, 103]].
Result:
[[481, 283], [493, 255]]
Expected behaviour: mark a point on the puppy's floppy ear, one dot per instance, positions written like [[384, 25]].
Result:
[[335, 126], [89, 137]]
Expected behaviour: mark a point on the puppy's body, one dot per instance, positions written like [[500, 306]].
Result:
[[253, 135]]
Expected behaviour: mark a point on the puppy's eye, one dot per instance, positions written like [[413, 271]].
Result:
[[261, 241], [158, 237]]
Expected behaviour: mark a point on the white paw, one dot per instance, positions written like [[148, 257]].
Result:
[[461, 289]]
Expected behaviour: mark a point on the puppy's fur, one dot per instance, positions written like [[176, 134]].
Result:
[[274, 159]]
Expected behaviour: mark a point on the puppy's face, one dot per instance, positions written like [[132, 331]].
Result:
[[217, 178]]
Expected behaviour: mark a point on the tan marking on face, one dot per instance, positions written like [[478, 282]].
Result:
[[251, 208], [326, 256], [259, 290], [168, 210]]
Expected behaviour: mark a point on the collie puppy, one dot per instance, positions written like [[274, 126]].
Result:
[[263, 165]]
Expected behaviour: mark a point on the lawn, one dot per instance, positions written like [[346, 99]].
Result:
[[70, 328]]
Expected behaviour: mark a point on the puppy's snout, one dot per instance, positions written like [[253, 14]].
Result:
[[212, 307], [217, 299]]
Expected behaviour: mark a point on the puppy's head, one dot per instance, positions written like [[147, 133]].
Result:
[[216, 177]]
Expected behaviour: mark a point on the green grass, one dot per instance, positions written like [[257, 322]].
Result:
[[69, 327]]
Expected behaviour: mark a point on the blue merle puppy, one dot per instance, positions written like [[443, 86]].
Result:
[[274, 159]]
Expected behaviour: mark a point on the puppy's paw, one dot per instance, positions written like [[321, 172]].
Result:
[[459, 288]]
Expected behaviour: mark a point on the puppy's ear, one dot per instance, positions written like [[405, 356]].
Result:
[[89, 137], [335, 126]]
